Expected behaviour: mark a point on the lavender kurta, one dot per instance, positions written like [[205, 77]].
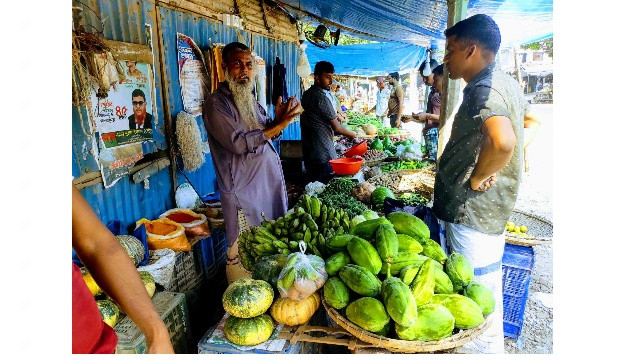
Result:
[[246, 163]]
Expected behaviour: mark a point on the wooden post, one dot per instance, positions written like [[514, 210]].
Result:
[[457, 10]]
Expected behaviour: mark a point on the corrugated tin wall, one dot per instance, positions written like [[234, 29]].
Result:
[[124, 20]]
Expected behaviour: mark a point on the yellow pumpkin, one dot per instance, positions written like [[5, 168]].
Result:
[[295, 312]]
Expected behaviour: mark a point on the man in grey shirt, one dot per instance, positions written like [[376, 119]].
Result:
[[479, 172], [318, 123]]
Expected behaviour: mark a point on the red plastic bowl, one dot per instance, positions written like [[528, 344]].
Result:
[[346, 166], [357, 150]]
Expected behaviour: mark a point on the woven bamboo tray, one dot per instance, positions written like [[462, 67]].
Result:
[[404, 346], [418, 181], [539, 228], [374, 162]]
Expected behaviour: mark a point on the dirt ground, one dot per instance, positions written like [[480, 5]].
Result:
[[535, 196]]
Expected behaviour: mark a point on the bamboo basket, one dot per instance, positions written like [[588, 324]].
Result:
[[405, 346], [541, 229], [419, 181], [375, 162]]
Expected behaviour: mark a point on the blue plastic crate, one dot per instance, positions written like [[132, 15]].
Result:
[[206, 256], [219, 238], [517, 266]]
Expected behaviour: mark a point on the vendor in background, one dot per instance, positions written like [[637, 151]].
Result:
[[342, 116], [115, 273], [396, 99], [427, 79], [382, 101], [248, 169], [318, 123], [430, 118]]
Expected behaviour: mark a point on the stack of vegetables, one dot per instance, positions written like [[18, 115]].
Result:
[[338, 194], [108, 308], [247, 301], [388, 277], [404, 165], [310, 221]]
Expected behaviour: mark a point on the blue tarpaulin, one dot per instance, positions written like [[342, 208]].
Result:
[[369, 59], [422, 22]]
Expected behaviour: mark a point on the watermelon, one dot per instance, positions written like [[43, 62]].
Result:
[[247, 298], [251, 331], [379, 194]]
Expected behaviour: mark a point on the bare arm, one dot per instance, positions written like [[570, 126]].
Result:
[[339, 129], [400, 107], [285, 113], [531, 125], [495, 152], [116, 274]]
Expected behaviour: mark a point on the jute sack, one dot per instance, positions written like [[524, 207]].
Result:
[[234, 268]]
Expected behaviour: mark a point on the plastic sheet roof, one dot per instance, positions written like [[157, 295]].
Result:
[[422, 22], [369, 59]]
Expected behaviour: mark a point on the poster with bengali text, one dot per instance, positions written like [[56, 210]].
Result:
[[193, 79]]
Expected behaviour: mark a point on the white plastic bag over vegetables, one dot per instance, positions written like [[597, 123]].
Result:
[[301, 275], [409, 152], [315, 187]]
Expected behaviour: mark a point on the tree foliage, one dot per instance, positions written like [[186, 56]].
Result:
[[545, 45]]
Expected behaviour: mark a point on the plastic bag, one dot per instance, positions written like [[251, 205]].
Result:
[[301, 275], [425, 213], [161, 265], [409, 152], [165, 234], [315, 187], [194, 224]]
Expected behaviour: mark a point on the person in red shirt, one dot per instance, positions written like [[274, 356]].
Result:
[[117, 276]]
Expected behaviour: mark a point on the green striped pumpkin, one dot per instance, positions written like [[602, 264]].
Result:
[[133, 247], [109, 311], [149, 282], [251, 331], [247, 298]]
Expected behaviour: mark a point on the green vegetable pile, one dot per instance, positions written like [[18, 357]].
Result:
[[337, 194], [387, 130], [403, 165], [413, 199], [361, 119]]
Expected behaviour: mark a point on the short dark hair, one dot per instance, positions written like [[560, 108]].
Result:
[[138, 92], [438, 70], [395, 75], [432, 65], [323, 67], [337, 86], [233, 47], [479, 28]]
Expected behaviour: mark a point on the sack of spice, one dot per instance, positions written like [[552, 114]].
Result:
[[194, 224]]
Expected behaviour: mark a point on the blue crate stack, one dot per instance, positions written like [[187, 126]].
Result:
[[517, 267]]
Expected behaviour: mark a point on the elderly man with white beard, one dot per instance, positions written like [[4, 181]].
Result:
[[248, 168]]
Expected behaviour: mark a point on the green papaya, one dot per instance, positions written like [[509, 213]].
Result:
[[335, 262], [360, 280], [405, 223], [423, 284], [433, 250], [336, 293], [459, 270], [408, 273], [408, 244], [404, 259], [399, 301], [443, 283], [338, 242], [467, 313], [368, 313], [386, 242], [482, 295], [367, 228], [364, 254], [434, 322]]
